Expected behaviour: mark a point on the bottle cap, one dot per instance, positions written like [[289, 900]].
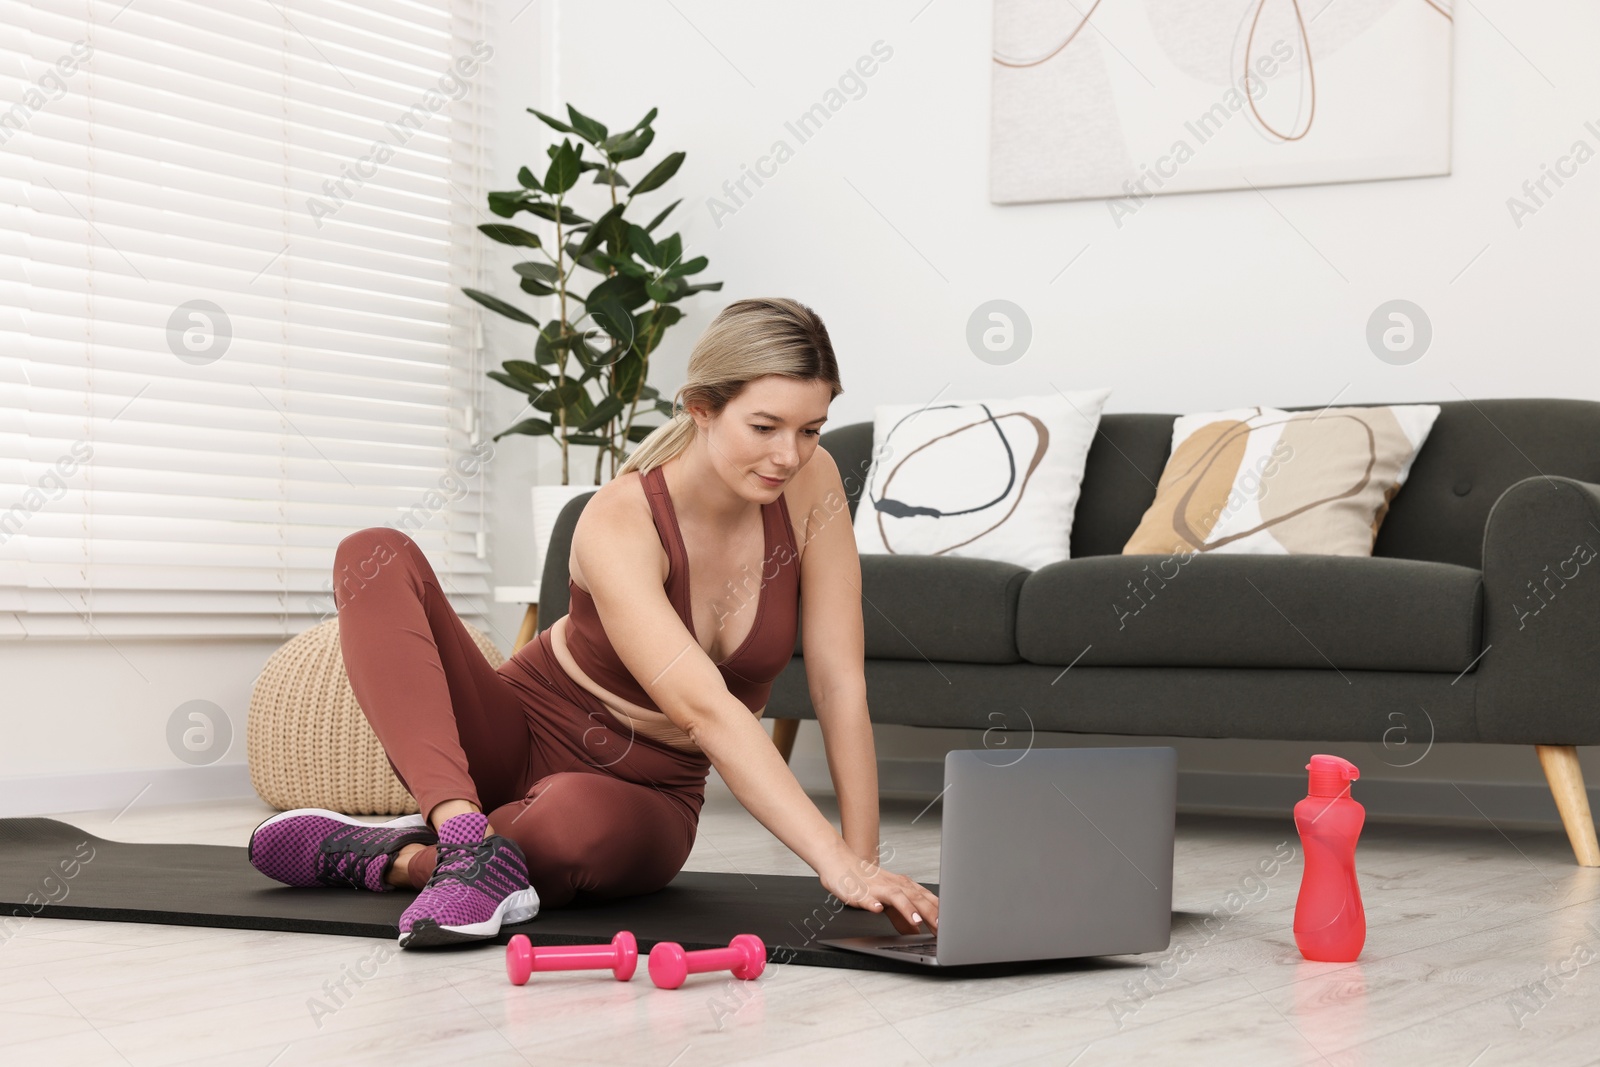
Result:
[[1331, 775]]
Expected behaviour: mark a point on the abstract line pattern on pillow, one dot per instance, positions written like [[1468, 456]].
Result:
[[989, 479], [1267, 481], [884, 504]]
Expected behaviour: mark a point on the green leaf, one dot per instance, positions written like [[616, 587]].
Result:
[[511, 383], [543, 352], [548, 211], [510, 235], [523, 371], [533, 288], [609, 177], [633, 268], [604, 412], [637, 433], [555, 124], [660, 174], [664, 290], [525, 176], [611, 316], [647, 120], [611, 355], [593, 360], [587, 439], [657, 220], [586, 127], [693, 266], [600, 231], [642, 246], [648, 392], [528, 426], [620, 147], [540, 272], [614, 231], [560, 396], [625, 290], [507, 204], [563, 172], [657, 320], [669, 250], [494, 303]]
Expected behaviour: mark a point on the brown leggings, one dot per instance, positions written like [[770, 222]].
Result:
[[597, 811]]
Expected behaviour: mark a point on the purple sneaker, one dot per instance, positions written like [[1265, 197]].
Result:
[[478, 884], [317, 847]]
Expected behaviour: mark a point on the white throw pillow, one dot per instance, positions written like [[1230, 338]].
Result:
[[987, 479]]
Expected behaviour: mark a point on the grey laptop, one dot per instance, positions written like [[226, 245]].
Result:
[[1056, 853]]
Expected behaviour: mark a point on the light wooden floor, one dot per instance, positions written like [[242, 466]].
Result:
[[1483, 948]]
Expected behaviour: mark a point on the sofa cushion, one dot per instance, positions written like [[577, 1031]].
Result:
[[938, 608], [1389, 716], [1329, 612]]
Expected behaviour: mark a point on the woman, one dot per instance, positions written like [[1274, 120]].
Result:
[[579, 766]]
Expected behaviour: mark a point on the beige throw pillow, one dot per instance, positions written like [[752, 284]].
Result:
[[1262, 480]]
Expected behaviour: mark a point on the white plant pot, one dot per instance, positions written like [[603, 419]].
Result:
[[548, 500]]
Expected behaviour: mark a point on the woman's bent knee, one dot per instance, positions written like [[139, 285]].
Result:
[[363, 555], [595, 834]]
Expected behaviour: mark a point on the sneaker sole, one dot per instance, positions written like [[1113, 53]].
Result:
[[404, 821], [519, 907]]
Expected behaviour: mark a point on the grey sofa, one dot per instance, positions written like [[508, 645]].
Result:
[[1476, 619]]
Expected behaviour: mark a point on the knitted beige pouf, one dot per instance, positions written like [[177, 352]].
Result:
[[310, 745]]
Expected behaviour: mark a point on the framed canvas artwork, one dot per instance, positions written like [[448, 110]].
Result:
[[1129, 99]]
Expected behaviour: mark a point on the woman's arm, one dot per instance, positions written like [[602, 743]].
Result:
[[737, 746], [748, 761], [853, 766], [835, 651]]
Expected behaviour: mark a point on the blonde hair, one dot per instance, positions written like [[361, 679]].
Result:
[[747, 340]]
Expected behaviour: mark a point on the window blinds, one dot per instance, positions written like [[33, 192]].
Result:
[[233, 236]]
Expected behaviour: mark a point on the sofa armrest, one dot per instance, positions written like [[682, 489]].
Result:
[[554, 600], [1539, 676]]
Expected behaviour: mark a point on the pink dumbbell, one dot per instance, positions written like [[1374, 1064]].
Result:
[[745, 955], [522, 958]]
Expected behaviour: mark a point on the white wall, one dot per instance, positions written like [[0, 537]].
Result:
[[882, 223]]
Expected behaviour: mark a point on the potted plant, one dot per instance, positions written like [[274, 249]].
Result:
[[587, 377]]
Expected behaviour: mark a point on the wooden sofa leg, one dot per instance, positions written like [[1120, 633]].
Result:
[[530, 623], [783, 733], [1561, 770]]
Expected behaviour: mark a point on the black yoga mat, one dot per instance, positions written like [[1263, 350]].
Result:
[[55, 870]]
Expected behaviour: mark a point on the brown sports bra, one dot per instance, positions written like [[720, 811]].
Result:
[[750, 670]]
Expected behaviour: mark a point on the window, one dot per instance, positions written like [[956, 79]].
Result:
[[233, 236]]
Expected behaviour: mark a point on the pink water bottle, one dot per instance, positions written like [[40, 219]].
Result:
[[1329, 922]]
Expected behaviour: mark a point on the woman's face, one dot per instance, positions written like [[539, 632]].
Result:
[[768, 431]]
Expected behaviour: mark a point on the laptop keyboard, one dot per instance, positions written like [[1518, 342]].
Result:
[[920, 948]]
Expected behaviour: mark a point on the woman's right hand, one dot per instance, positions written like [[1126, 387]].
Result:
[[872, 888]]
